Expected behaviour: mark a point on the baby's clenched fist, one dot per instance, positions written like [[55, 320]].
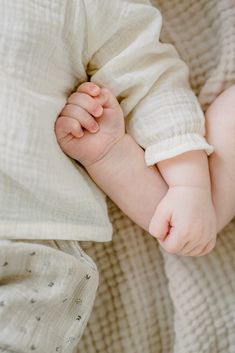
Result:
[[90, 124]]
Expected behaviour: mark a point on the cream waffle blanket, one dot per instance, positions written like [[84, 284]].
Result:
[[150, 302]]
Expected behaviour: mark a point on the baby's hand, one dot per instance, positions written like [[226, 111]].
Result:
[[90, 124], [184, 221]]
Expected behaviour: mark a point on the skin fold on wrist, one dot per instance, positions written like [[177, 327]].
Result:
[[112, 154]]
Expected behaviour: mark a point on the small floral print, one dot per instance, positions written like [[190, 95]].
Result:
[[71, 339]]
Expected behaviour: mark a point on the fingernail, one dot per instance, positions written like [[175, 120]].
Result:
[[98, 110], [95, 127], [94, 89]]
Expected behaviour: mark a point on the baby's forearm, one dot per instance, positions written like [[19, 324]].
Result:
[[123, 175], [137, 189], [187, 169]]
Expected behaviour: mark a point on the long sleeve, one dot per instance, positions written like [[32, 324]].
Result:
[[151, 82]]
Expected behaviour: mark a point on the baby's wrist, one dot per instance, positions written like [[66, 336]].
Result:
[[112, 156], [187, 170], [193, 188]]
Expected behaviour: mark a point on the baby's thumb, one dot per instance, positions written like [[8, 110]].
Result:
[[159, 225]]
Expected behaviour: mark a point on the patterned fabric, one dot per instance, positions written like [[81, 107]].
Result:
[[153, 302], [46, 295]]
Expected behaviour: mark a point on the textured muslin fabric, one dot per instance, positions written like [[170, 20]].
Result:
[[47, 291], [46, 49], [147, 76], [153, 302], [149, 302], [42, 58]]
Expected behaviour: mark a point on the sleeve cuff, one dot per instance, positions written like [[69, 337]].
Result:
[[174, 146]]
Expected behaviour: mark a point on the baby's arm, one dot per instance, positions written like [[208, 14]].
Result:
[[111, 157], [116, 163], [184, 221]]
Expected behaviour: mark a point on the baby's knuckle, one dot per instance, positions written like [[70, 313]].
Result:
[[68, 108], [92, 85], [73, 97], [83, 85]]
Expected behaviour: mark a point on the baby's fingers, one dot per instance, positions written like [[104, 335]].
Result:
[[86, 102], [89, 88], [107, 99], [67, 126], [173, 243], [159, 225], [208, 248], [82, 116], [199, 250], [102, 95], [192, 250]]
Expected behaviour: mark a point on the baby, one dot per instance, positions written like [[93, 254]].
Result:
[[176, 202]]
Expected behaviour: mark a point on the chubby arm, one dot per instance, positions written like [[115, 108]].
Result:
[[111, 157], [181, 217], [188, 169], [184, 221], [123, 175]]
